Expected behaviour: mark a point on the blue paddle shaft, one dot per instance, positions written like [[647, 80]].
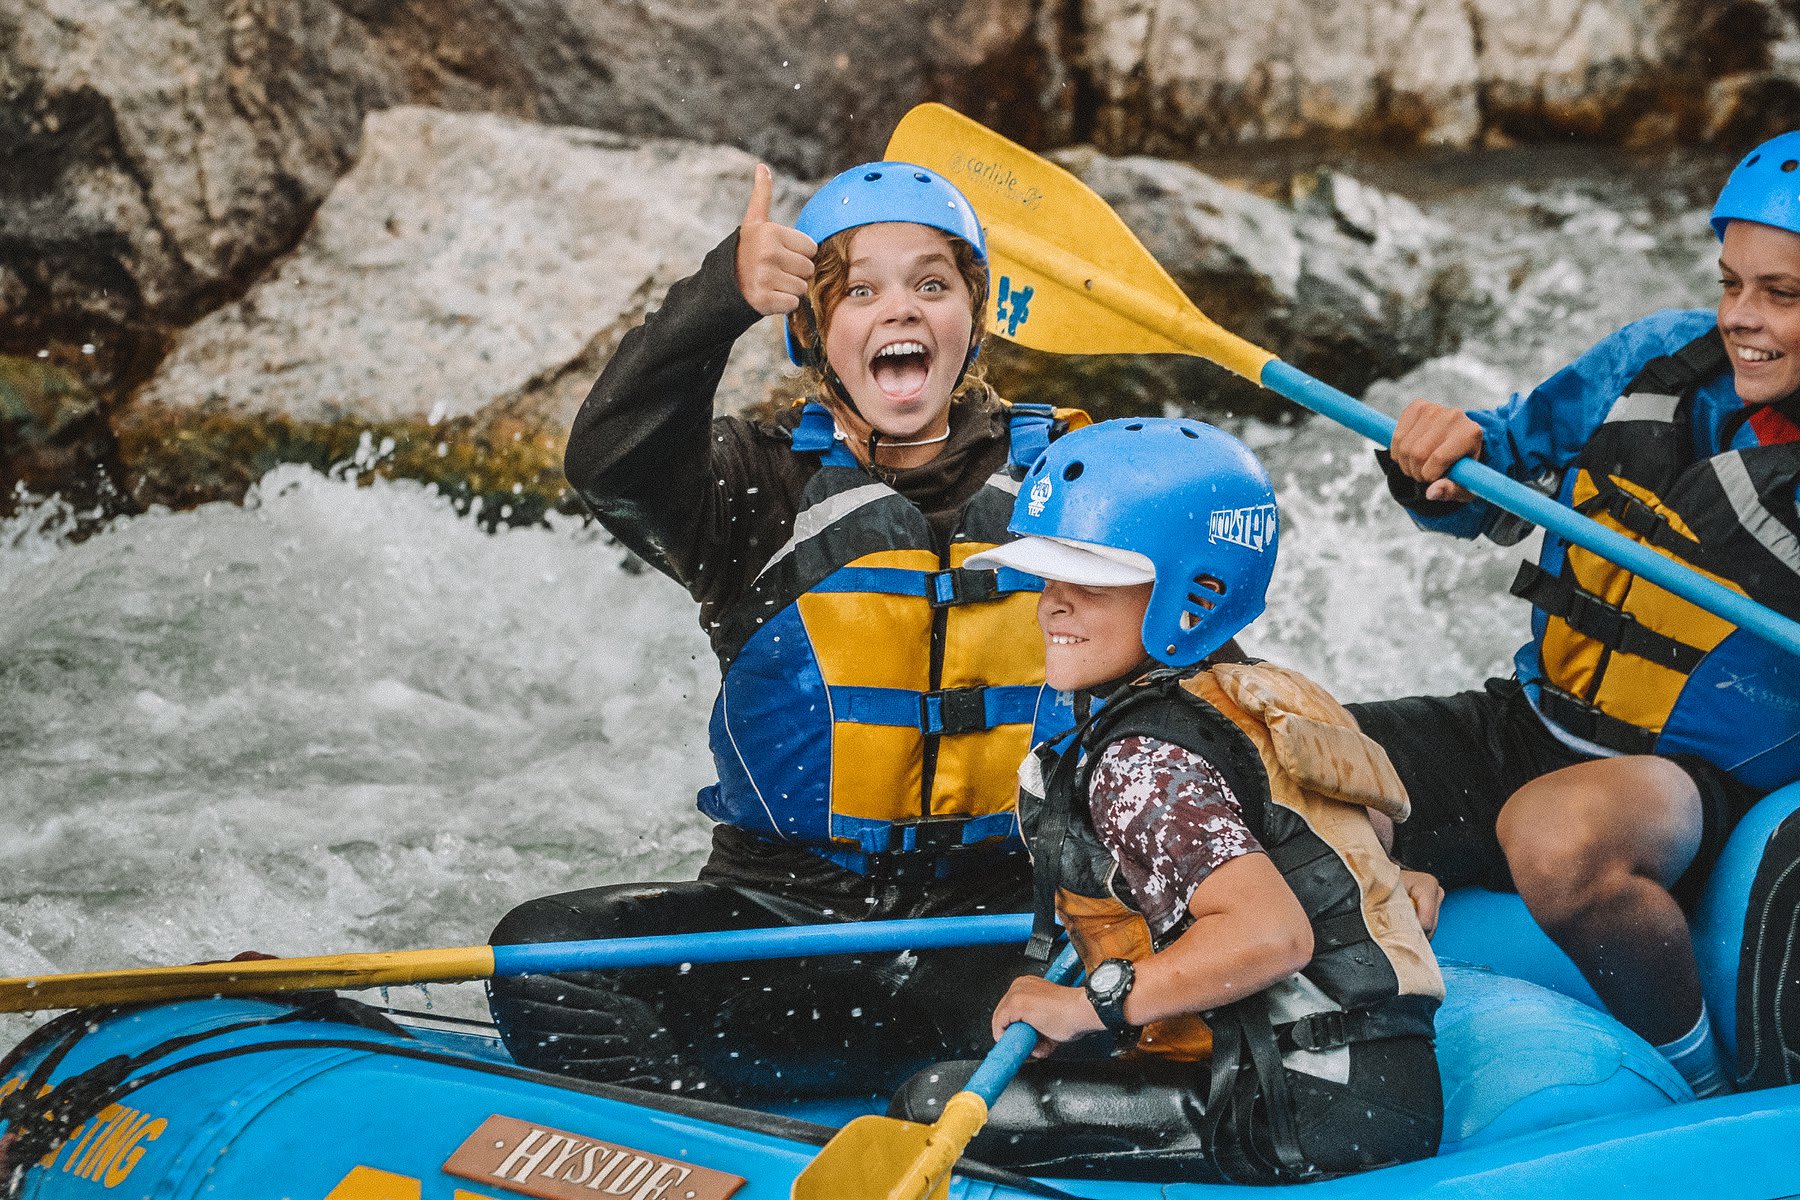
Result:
[[743, 945], [1016, 1044], [1566, 523]]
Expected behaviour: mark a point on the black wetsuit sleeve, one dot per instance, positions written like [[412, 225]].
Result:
[[1409, 493], [645, 453]]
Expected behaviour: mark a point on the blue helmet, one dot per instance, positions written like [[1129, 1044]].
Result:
[[1764, 188], [1176, 496], [888, 191]]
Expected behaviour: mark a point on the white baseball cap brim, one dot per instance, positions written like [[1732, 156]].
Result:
[[1067, 561]]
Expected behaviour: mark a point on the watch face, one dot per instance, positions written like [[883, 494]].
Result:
[[1106, 976]]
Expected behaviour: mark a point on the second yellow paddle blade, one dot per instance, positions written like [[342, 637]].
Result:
[[878, 1158], [144, 985], [1069, 276]]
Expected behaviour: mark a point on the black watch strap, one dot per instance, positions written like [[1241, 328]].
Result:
[[1108, 984]]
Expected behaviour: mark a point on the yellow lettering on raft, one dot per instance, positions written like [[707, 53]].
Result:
[[108, 1145], [131, 1151], [84, 1154], [367, 1183]]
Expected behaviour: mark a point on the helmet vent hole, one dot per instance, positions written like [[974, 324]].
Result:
[[1753, 160], [1186, 432], [1073, 471], [1189, 621], [921, 176], [872, 176], [1790, 164], [1206, 593], [1135, 426]]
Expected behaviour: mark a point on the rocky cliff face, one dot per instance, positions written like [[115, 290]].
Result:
[[160, 158], [1165, 75]]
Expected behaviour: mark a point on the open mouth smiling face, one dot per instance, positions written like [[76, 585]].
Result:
[[900, 335]]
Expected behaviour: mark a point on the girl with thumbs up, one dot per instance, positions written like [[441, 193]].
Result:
[[877, 694]]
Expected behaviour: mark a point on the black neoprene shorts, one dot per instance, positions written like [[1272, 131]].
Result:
[[1461, 758]]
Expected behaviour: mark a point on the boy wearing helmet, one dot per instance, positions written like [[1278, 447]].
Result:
[[876, 690], [1602, 780], [1208, 835]]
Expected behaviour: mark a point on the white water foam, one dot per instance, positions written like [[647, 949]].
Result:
[[336, 719]]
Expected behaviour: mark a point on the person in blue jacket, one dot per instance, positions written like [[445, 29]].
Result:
[[1602, 779]]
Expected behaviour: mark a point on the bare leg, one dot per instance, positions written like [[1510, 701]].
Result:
[[1594, 849]]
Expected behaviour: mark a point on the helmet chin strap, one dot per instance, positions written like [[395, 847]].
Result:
[[813, 352]]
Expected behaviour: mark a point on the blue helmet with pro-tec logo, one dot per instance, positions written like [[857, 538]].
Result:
[[1170, 500], [879, 192], [1764, 187]]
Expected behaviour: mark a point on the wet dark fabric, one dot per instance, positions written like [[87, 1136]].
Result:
[[1146, 1118], [708, 501], [1463, 756], [818, 1026]]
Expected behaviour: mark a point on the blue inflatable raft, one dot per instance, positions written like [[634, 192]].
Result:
[[1545, 1095]]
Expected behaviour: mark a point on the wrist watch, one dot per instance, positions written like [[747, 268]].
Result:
[[1107, 986]]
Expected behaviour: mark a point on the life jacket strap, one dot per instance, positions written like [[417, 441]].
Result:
[[1346, 929], [1248, 1091], [1030, 426], [943, 589], [817, 434], [944, 711], [1608, 624], [1401, 1016], [923, 848], [1591, 725], [1648, 525], [1679, 371]]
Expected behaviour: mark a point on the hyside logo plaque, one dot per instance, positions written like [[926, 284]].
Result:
[[555, 1164]]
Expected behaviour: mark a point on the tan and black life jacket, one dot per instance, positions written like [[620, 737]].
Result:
[[1304, 777]]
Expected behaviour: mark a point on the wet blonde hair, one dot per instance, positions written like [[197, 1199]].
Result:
[[829, 286]]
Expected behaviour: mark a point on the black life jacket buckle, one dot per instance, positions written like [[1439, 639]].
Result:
[[959, 585], [1601, 621], [1317, 1031], [954, 710]]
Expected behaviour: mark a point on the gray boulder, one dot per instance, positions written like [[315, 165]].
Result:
[[452, 301]]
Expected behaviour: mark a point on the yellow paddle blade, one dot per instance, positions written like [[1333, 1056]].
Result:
[[254, 977], [1069, 276], [884, 1158]]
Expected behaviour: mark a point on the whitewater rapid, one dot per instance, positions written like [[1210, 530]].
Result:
[[343, 718]]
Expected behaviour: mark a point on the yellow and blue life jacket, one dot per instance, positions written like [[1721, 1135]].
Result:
[[877, 695], [1625, 666]]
